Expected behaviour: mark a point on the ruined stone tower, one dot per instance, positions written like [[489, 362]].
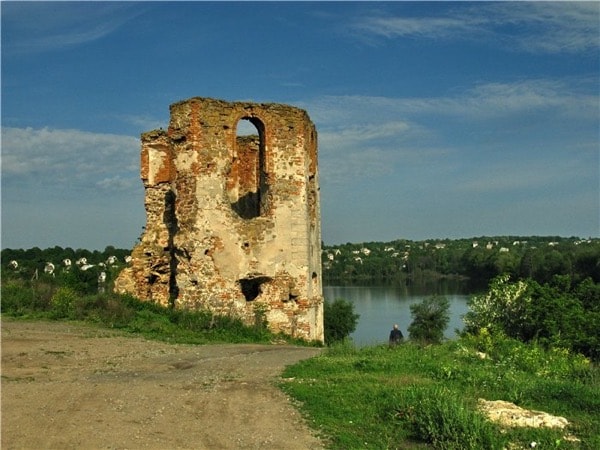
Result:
[[233, 222]]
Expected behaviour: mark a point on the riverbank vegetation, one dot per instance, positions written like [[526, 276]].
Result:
[[523, 343], [411, 396]]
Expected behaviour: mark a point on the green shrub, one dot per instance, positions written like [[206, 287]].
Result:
[[27, 297], [430, 319], [192, 320], [443, 420], [343, 347], [115, 313], [17, 298], [555, 314], [63, 303], [149, 322], [501, 308], [339, 320]]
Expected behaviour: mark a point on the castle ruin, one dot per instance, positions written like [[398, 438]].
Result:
[[232, 221]]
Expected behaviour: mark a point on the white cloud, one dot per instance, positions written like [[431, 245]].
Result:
[[536, 27], [355, 134], [550, 27], [365, 136], [77, 158], [555, 97], [484, 101], [35, 27], [431, 27]]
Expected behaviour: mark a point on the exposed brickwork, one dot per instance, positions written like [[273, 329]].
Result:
[[232, 221]]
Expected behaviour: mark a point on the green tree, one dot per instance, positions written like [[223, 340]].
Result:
[[555, 314], [501, 308], [339, 319], [430, 319]]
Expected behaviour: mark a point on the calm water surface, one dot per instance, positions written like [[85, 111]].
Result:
[[380, 307]]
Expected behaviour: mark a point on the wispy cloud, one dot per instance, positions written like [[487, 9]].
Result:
[[355, 134], [535, 27], [31, 27], [366, 136], [553, 26], [428, 27], [502, 99], [71, 159], [484, 101]]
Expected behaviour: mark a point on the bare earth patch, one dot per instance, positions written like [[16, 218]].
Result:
[[67, 386]]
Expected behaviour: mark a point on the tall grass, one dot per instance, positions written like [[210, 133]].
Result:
[[426, 397], [40, 299]]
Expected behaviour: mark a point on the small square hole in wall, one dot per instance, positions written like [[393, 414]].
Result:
[[251, 287]]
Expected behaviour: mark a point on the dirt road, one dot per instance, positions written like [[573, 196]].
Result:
[[68, 386]]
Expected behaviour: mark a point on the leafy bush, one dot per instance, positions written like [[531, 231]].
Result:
[[430, 319], [442, 418], [555, 314], [17, 298], [339, 320], [113, 310], [498, 309], [63, 303]]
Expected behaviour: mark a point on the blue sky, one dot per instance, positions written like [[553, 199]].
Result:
[[435, 120]]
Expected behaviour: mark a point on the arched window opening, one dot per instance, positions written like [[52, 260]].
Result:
[[247, 185]]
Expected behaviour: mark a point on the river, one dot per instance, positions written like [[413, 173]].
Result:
[[380, 307]]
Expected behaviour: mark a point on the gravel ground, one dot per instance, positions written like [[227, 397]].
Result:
[[67, 386]]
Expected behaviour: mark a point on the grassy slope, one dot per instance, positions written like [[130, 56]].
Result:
[[410, 397]]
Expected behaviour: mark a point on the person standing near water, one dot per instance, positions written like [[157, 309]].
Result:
[[395, 336]]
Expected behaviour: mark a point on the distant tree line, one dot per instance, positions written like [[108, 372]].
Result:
[[397, 262], [479, 259], [36, 258], [88, 271]]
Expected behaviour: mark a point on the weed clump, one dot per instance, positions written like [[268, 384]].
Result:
[[44, 299], [443, 419]]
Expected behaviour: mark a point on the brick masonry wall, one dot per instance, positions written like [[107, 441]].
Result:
[[232, 222]]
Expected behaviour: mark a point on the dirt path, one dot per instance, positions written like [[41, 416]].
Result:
[[68, 386]]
